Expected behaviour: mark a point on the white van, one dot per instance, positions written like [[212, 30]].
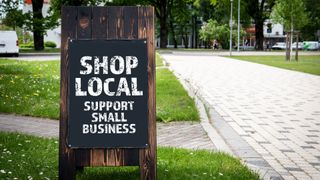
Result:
[[9, 43], [310, 45]]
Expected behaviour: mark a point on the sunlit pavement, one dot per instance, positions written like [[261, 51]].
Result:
[[275, 111], [188, 135]]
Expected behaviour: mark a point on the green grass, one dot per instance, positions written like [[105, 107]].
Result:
[[173, 101], [46, 50], [32, 88], [307, 64], [25, 156], [159, 61]]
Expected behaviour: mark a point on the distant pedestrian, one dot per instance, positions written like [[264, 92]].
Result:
[[215, 44], [268, 46]]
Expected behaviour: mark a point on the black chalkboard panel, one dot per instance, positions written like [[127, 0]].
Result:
[[108, 94]]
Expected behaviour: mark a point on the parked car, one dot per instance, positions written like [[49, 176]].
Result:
[[279, 46], [9, 44], [311, 45], [300, 45]]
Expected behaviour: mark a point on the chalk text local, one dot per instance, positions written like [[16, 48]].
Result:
[[108, 117], [116, 65]]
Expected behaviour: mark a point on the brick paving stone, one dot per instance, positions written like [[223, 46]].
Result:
[[176, 134], [276, 108]]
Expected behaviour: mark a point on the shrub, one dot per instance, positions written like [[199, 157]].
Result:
[[27, 45], [50, 44]]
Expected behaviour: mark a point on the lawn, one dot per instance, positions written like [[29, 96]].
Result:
[[26, 157], [159, 61], [307, 64], [172, 103], [32, 88]]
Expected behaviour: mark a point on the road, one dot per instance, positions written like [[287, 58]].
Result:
[[35, 57]]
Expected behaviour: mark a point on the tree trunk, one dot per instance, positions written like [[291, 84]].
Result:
[[163, 13], [185, 41], [175, 43], [259, 34], [38, 24], [297, 46], [288, 45]]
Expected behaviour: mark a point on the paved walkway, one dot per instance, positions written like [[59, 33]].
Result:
[[176, 134], [275, 111]]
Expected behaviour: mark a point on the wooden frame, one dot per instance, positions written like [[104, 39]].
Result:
[[114, 22]]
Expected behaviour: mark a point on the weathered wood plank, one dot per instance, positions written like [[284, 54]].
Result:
[[99, 31], [99, 22], [115, 23], [147, 156], [115, 31], [84, 31], [130, 22], [66, 155]]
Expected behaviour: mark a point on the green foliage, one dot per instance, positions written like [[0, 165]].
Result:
[[214, 31], [27, 45], [29, 157], [50, 44], [291, 13], [179, 20], [13, 16], [308, 32]]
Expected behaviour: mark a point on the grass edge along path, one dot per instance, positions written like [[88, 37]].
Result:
[[32, 88], [26, 157], [307, 64]]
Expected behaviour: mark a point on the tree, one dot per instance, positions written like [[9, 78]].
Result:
[[259, 11], [292, 14], [309, 31], [180, 20], [32, 21], [214, 31], [13, 16]]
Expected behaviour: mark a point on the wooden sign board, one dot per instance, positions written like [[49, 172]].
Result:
[[107, 106]]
